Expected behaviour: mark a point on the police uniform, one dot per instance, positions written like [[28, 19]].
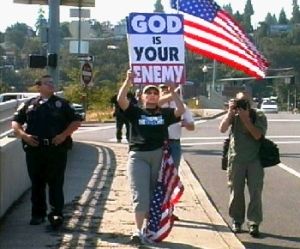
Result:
[[46, 163]]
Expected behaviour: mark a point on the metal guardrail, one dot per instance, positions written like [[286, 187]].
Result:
[[7, 110]]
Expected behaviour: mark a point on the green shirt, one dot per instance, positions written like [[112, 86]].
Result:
[[243, 147]]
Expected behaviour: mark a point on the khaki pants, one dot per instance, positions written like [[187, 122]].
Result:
[[252, 174], [143, 169]]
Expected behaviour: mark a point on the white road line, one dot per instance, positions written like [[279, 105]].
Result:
[[216, 138], [283, 120], [221, 142], [281, 165], [207, 143], [289, 170], [90, 128], [200, 121]]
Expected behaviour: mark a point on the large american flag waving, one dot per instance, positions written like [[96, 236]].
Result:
[[167, 193], [213, 33]]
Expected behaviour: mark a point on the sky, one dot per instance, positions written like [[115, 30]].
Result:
[[115, 10]]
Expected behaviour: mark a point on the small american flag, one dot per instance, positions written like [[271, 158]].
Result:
[[167, 193], [213, 33]]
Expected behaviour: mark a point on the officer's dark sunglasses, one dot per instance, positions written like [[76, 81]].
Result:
[[48, 82]]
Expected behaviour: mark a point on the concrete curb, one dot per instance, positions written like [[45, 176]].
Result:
[[221, 227], [194, 206]]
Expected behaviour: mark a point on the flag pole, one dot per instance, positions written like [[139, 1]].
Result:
[[180, 86]]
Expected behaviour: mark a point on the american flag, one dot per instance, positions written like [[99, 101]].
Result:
[[167, 193], [213, 33]]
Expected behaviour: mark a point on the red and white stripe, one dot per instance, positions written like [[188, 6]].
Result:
[[224, 41]]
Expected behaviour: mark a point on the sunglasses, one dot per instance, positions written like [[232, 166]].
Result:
[[48, 82]]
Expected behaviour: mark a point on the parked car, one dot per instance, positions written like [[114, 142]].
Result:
[[17, 96], [79, 109], [269, 106]]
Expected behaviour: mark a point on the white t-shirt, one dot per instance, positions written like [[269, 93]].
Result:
[[175, 129]]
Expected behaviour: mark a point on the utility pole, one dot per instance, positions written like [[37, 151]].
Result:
[[288, 100], [295, 98], [53, 36], [79, 26]]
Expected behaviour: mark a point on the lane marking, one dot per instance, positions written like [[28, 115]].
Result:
[[200, 121], [90, 129], [283, 120], [222, 137], [281, 165], [221, 142], [289, 170]]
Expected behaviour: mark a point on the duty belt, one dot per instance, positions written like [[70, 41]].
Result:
[[174, 140], [45, 142]]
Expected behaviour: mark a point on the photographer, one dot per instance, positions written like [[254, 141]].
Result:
[[247, 126]]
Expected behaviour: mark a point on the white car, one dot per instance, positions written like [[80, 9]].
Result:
[[269, 106]]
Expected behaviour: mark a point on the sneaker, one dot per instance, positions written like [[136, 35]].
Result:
[[254, 231], [236, 227], [137, 238]]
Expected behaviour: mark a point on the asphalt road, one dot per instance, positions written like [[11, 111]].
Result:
[[202, 150], [280, 228]]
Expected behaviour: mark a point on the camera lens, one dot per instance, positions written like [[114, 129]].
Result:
[[243, 104]]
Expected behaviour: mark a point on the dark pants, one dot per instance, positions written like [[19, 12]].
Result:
[[46, 166], [120, 122]]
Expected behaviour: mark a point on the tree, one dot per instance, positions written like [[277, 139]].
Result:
[[282, 20], [158, 7], [228, 8], [16, 35], [248, 12], [96, 28], [270, 19], [294, 36], [64, 30], [41, 22], [238, 17], [295, 13], [1, 37]]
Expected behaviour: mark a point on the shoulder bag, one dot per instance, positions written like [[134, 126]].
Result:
[[268, 153]]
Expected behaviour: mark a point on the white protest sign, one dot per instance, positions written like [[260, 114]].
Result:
[[156, 48]]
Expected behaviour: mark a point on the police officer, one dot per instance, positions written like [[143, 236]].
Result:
[[50, 122]]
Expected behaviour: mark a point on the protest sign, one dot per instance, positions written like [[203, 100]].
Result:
[[156, 48]]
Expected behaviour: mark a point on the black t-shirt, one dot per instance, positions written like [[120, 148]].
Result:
[[149, 127]]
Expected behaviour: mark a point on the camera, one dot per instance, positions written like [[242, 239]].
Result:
[[242, 103]]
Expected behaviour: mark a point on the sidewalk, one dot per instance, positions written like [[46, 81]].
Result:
[[98, 211]]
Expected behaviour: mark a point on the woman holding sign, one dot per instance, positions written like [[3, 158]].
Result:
[[149, 130]]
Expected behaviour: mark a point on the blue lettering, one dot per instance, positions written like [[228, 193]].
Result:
[[148, 23], [145, 120]]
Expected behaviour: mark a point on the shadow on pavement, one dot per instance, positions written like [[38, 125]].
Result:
[[84, 213]]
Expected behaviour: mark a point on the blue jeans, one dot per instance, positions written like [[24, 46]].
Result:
[[175, 148]]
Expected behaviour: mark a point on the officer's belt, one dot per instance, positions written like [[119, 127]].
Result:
[[45, 142], [174, 140]]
